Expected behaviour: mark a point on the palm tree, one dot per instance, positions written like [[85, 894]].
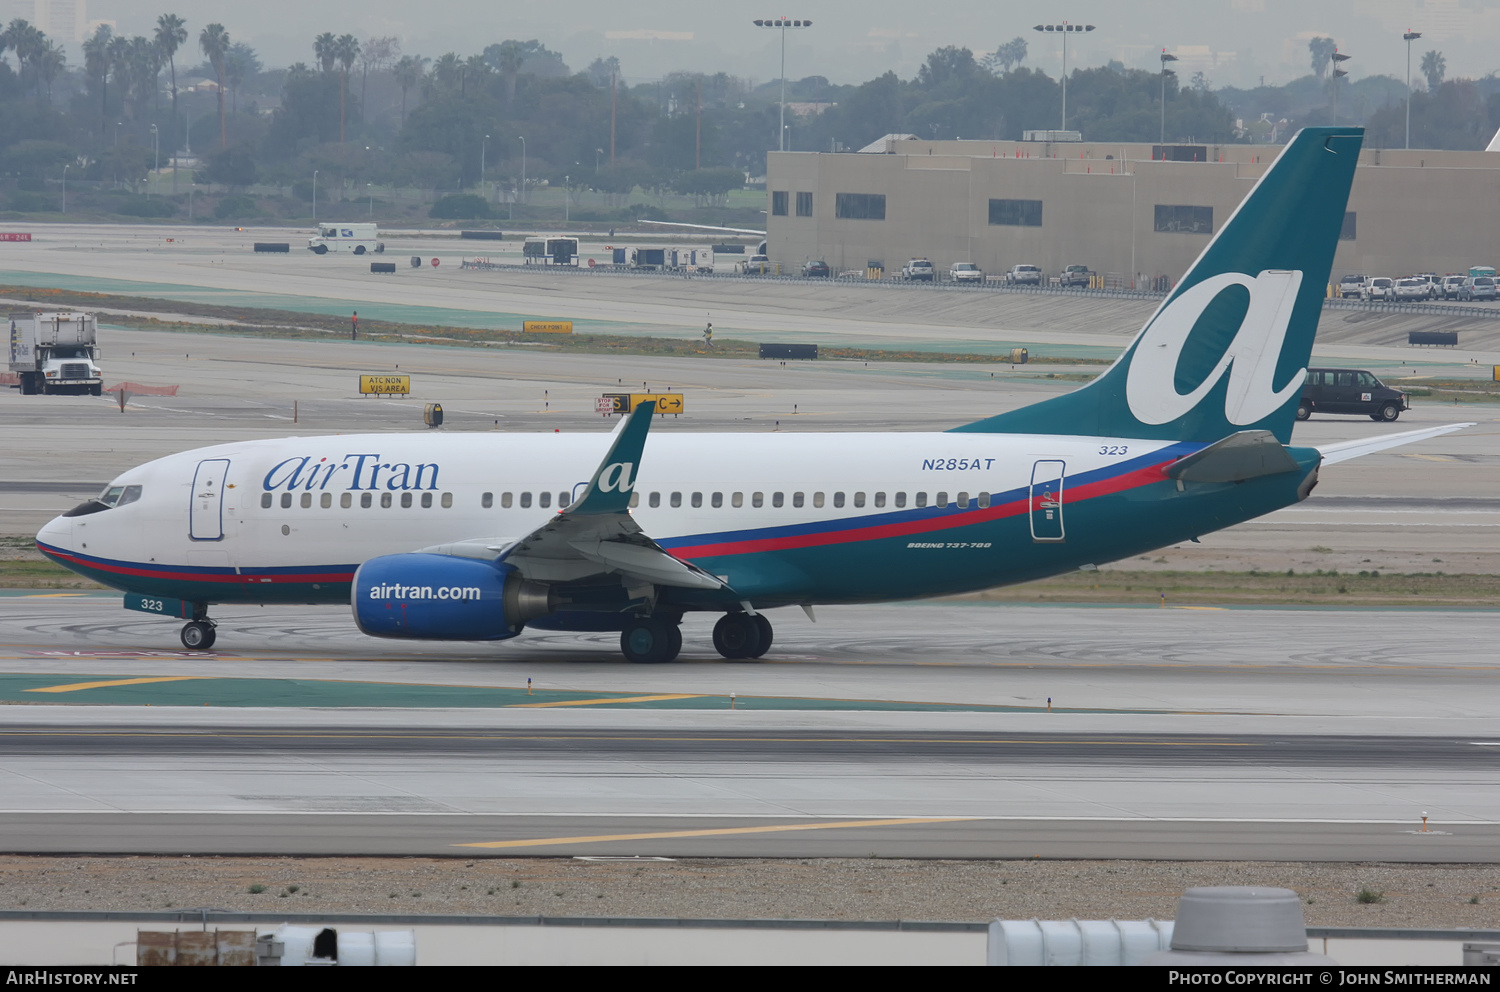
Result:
[[346, 50], [214, 41], [145, 70], [409, 72], [325, 50], [1434, 67], [49, 63], [171, 34], [118, 56], [28, 42], [510, 59], [96, 64]]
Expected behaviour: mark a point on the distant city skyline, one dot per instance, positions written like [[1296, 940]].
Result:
[[1233, 42]]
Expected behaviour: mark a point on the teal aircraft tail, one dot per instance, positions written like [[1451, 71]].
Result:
[[1228, 349]]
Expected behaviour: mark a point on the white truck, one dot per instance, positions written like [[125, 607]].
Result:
[[356, 238], [55, 352]]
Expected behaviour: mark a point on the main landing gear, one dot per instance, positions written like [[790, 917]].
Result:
[[657, 639], [739, 635]]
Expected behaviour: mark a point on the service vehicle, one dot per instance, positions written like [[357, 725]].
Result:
[[965, 272], [1477, 288], [1352, 286], [55, 352], [1434, 284], [484, 536], [1476, 271], [1350, 391], [918, 270], [1075, 275], [815, 269], [1452, 283], [1023, 275], [1412, 288], [550, 251], [356, 238], [757, 265], [1380, 288]]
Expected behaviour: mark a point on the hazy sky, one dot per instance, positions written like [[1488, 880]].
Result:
[[1234, 42]]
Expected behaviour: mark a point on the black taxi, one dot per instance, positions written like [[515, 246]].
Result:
[[1350, 391]]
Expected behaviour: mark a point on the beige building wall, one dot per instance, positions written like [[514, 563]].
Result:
[[1415, 211]]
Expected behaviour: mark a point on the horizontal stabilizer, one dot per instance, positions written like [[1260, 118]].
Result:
[[1345, 450], [1240, 456]]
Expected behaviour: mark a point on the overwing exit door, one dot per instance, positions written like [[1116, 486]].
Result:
[[1047, 479], [206, 512]]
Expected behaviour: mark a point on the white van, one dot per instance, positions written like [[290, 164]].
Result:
[[356, 238]]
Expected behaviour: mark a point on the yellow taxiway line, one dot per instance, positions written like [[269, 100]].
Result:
[[597, 702], [717, 832], [74, 687]]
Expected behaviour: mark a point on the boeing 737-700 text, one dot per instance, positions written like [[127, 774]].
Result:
[[476, 537]]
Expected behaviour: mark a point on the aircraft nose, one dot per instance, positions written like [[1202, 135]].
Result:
[[57, 533]]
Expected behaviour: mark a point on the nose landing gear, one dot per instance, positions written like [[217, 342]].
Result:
[[199, 635]]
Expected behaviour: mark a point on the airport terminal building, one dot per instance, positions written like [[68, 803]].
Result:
[[1120, 209]]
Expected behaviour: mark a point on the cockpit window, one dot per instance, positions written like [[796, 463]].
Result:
[[112, 497]]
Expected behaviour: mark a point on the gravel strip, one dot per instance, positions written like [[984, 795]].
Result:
[[1442, 896]]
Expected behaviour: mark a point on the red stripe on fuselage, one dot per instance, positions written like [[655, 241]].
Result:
[[1089, 490], [222, 577]]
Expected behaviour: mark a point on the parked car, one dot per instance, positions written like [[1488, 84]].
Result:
[[1452, 283], [1412, 288], [1434, 284], [918, 270], [1024, 275], [1352, 286], [1074, 275], [1350, 391], [815, 269], [1477, 288], [757, 265], [1380, 288], [965, 272]]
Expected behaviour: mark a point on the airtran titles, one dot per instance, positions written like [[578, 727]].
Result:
[[352, 472]]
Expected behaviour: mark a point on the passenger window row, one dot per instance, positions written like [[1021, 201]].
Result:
[[346, 500], [839, 500]]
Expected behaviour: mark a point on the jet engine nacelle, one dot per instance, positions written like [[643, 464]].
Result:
[[444, 598]]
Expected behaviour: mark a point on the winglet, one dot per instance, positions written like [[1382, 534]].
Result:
[[609, 489]]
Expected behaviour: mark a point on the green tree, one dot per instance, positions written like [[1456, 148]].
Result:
[[171, 34], [1006, 57], [325, 50], [409, 72], [1434, 66], [214, 41], [96, 65], [1322, 50], [346, 50]]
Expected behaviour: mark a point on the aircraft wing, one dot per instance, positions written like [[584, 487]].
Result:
[[596, 534], [1345, 450]]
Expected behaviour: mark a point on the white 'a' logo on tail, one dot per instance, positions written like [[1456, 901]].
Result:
[[616, 477], [1250, 359]]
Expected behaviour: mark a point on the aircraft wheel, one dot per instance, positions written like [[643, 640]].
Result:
[[1303, 411], [198, 635], [737, 636], [649, 641], [766, 635]]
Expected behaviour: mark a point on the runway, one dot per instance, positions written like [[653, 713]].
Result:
[[644, 789]]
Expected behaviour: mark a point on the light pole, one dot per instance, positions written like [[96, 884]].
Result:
[[65, 187], [1337, 75], [1165, 72], [598, 153], [370, 189], [156, 151], [1408, 77], [523, 167], [782, 24], [483, 147], [567, 199], [1409, 37], [315, 196], [1066, 29]]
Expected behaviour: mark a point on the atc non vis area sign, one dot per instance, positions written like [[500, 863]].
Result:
[[384, 384]]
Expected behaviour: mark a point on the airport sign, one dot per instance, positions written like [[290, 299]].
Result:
[[384, 384]]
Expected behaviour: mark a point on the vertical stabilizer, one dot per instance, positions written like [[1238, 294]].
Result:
[[1228, 348]]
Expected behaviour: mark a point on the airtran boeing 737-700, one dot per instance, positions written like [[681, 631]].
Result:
[[479, 536]]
